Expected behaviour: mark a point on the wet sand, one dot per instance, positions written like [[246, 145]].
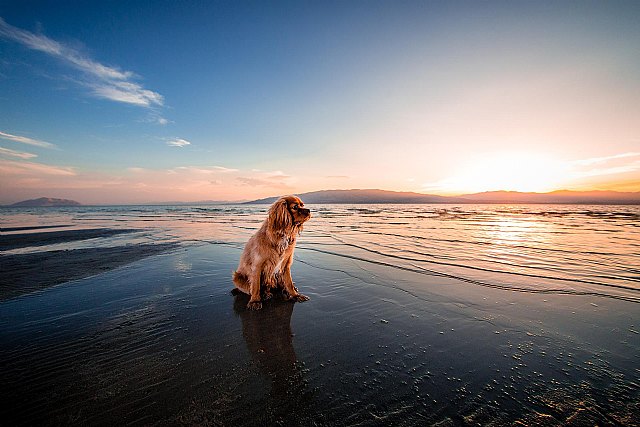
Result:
[[22, 274], [162, 341]]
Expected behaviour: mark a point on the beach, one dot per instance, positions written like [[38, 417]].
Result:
[[147, 331]]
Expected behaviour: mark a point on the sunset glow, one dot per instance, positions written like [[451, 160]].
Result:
[[525, 172]]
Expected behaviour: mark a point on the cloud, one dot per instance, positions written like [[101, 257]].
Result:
[[608, 165], [11, 167], [104, 81], [253, 181], [259, 178], [274, 181], [597, 160], [278, 176], [202, 170], [154, 118], [127, 92], [178, 142], [25, 140], [12, 153], [224, 170]]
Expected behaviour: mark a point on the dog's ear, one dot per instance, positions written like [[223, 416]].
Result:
[[279, 217]]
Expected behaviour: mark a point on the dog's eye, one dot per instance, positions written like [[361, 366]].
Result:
[[294, 207]]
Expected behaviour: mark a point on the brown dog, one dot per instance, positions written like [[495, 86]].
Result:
[[268, 254]]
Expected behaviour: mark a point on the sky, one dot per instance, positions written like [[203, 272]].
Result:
[[155, 101]]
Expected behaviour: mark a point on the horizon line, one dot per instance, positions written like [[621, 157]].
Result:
[[457, 196]]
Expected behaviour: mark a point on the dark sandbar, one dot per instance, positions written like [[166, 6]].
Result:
[[25, 273], [15, 241], [33, 227]]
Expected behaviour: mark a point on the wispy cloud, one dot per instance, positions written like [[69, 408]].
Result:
[[254, 182], [155, 118], [600, 160], [609, 165], [275, 179], [278, 176], [127, 92], [178, 142], [159, 120], [233, 177], [224, 170], [203, 170], [11, 167], [25, 140], [104, 81], [18, 154]]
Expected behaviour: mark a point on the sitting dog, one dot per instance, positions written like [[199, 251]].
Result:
[[268, 254]]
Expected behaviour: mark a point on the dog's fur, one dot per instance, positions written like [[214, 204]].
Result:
[[268, 254]]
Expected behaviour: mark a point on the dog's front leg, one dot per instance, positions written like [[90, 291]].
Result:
[[255, 302], [288, 282]]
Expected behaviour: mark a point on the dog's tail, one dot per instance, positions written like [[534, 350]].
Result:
[[241, 281]]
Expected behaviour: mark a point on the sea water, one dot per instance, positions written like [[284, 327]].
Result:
[[564, 249]]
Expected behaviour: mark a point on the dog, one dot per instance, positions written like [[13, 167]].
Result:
[[268, 255]]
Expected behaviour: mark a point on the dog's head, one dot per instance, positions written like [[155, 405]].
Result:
[[287, 212]]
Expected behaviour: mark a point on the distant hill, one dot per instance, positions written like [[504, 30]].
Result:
[[45, 202], [383, 196], [365, 197]]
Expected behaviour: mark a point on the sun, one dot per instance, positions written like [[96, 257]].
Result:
[[510, 171]]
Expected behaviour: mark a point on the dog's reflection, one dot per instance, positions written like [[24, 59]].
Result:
[[267, 333]]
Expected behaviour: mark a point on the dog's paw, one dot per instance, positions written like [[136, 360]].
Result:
[[254, 305], [300, 298]]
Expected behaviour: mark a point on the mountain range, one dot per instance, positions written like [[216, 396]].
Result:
[[358, 196], [374, 196], [45, 202]]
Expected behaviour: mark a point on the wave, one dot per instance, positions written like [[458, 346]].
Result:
[[477, 268], [516, 288]]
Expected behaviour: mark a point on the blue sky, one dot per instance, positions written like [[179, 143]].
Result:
[[124, 102]]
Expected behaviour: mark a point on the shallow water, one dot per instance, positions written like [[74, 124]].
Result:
[[418, 315], [556, 249]]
